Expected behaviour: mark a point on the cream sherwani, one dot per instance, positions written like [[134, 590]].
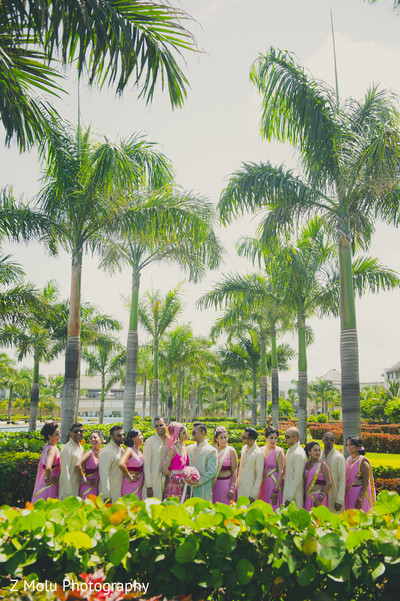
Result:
[[154, 453], [337, 464], [110, 476], [250, 471], [69, 478], [293, 489], [204, 457]]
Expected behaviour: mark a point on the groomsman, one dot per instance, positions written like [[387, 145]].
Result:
[[251, 466], [154, 453], [110, 476], [337, 465], [71, 452], [295, 461]]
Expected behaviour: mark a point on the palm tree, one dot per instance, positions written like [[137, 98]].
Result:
[[106, 358], [167, 225], [145, 371], [322, 391], [349, 153], [9, 376], [173, 353], [157, 314], [254, 296], [86, 187], [117, 43], [243, 356], [35, 338]]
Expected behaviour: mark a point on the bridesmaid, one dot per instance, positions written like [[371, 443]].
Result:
[[176, 459], [131, 465], [271, 484], [317, 478], [360, 488], [225, 478], [88, 466], [48, 472]]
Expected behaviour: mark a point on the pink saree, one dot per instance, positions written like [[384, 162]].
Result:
[[134, 464], [221, 486], [91, 472], [313, 477], [174, 486], [268, 481], [353, 473], [41, 489]]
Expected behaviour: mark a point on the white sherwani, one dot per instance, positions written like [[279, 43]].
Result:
[[250, 471], [154, 453], [293, 489], [337, 464], [69, 478], [110, 476]]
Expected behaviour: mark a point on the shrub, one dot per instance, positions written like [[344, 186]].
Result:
[[392, 410], [312, 419], [322, 418], [335, 415], [200, 549], [18, 473]]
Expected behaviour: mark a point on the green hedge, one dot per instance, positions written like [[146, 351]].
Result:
[[202, 549]]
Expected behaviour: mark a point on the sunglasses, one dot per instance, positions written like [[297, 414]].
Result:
[[330, 439], [159, 426], [77, 431], [289, 436]]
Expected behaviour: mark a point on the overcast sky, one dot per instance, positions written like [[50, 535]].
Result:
[[216, 130]]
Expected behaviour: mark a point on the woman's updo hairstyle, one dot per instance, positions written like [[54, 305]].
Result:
[[309, 446], [219, 430], [48, 429], [269, 430], [356, 440], [130, 437]]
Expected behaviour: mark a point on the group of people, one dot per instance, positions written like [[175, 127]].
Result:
[[307, 476]]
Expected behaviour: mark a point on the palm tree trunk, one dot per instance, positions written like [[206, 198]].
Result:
[[144, 397], [193, 404], [178, 397], [243, 410], [9, 409], [348, 344], [169, 412], [156, 385], [132, 349], [274, 381], [238, 411], [254, 419], [102, 398], [263, 382], [302, 365], [70, 393], [34, 398]]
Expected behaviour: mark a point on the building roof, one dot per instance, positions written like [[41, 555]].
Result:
[[395, 367], [333, 375]]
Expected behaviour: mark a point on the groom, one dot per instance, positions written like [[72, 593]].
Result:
[[204, 457]]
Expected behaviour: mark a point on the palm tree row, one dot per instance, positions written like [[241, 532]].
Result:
[[349, 163]]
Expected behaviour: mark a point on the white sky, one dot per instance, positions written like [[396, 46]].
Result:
[[218, 129]]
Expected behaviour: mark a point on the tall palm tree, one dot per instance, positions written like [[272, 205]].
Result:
[[156, 314], [115, 42], [254, 295], [106, 358], [349, 153], [243, 355], [167, 225], [306, 273], [86, 186]]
